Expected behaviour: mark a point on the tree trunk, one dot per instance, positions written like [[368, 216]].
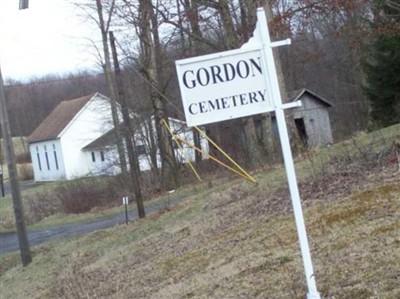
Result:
[[197, 143], [270, 146], [169, 171], [281, 78], [251, 7], [153, 148], [231, 37], [111, 85], [191, 11], [128, 133], [293, 134], [251, 145], [180, 22], [192, 15]]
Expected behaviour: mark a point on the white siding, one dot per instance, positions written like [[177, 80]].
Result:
[[103, 162], [47, 160], [144, 162], [187, 153], [183, 155], [90, 123]]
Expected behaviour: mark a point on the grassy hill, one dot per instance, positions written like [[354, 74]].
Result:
[[234, 239], [20, 146]]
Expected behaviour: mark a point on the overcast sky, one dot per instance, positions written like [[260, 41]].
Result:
[[48, 37]]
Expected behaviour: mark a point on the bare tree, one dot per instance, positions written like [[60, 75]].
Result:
[[325, 56], [191, 11], [151, 67], [128, 132], [103, 21]]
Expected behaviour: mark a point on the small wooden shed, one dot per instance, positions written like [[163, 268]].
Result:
[[312, 118]]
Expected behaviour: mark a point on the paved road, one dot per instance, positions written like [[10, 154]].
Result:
[[9, 241], [25, 185]]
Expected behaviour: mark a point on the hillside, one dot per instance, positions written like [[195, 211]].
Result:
[[22, 157], [234, 239]]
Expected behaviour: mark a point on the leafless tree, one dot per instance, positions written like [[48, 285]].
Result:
[[144, 18], [128, 131]]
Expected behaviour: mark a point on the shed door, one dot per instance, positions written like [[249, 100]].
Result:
[[301, 129]]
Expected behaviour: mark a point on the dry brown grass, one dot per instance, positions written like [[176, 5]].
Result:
[[237, 240], [25, 171]]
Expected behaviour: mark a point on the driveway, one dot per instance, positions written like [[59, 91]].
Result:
[[9, 241]]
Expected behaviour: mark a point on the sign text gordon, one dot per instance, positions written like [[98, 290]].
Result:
[[226, 72]]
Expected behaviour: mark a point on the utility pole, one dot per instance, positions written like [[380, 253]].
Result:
[[22, 234], [23, 4], [1, 171], [1, 179], [13, 178]]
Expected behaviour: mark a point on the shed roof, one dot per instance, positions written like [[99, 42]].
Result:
[[297, 94], [103, 141], [58, 119]]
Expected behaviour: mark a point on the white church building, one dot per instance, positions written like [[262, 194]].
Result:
[[56, 144], [77, 139]]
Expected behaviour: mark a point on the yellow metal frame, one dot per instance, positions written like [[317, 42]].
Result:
[[174, 137], [226, 155], [241, 173]]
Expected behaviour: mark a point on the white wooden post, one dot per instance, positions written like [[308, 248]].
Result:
[[125, 202], [287, 153], [23, 4], [245, 93]]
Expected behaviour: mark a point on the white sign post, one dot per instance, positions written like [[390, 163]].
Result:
[[239, 83], [125, 202]]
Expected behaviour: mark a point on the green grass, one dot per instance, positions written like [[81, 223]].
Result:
[[235, 239], [7, 220]]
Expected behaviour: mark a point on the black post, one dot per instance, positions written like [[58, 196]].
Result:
[[23, 4], [125, 201], [126, 211], [2, 184]]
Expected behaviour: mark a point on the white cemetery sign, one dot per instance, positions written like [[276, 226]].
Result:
[[223, 86], [239, 83]]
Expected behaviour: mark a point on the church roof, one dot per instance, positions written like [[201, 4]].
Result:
[[58, 119]]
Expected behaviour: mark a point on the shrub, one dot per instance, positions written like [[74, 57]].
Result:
[[42, 205], [70, 197], [25, 171], [81, 196], [23, 158]]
